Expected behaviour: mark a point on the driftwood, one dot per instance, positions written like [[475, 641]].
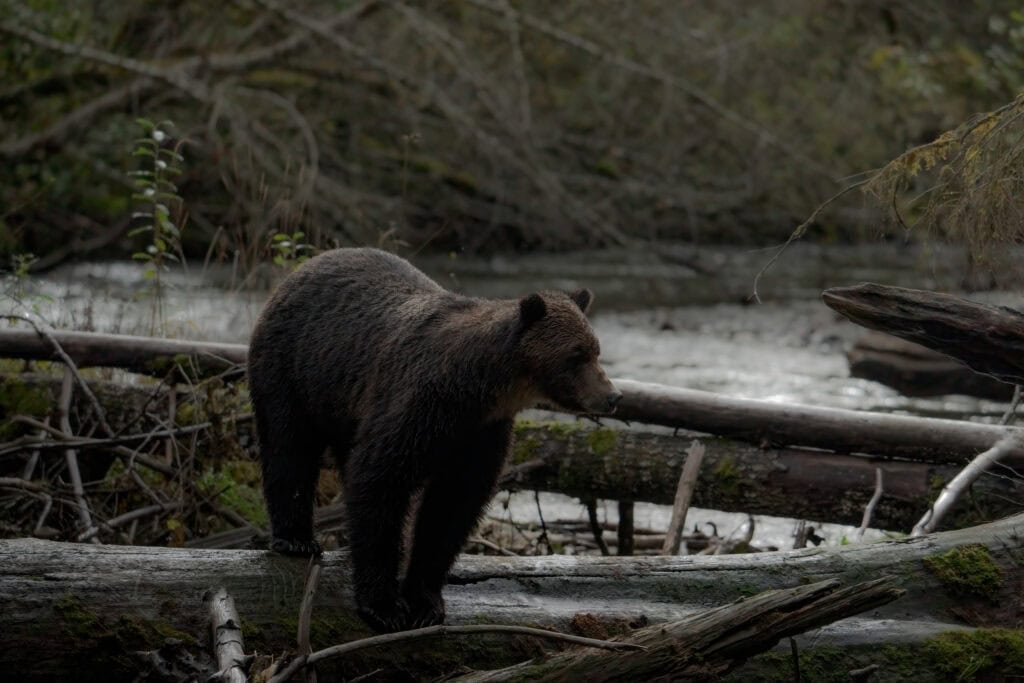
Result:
[[989, 339], [759, 422], [915, 370], [111, 601]]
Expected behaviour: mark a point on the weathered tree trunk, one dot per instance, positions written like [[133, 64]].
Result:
[[834, 429], [990, 339], [602, 462], [77, 610], [705, 645], [915, 370], [144, 355], [758, 422]]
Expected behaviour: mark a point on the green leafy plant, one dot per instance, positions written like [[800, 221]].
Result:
[[19, 288], [161, 207], [289, 250]]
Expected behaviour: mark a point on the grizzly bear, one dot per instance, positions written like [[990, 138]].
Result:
[[413, 388]]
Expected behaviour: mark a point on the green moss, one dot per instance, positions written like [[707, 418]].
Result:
[[967, 570], [966, 655], [129, 632], [562, 429], [78, 621], [726, 477], [602, 440], [904, 662], [236, 484], [525, 450], [19, 398]]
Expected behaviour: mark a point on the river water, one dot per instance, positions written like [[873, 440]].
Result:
[[675, 315]]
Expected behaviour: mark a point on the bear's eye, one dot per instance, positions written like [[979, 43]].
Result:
[[578, 357]]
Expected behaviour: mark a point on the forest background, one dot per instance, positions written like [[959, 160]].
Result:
[[483, 126]]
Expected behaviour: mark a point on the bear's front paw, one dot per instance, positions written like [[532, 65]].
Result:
[[426, 608], [384, 615], [302, 548]]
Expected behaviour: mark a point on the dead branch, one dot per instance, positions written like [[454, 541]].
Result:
[[70, 455], [707, 644], [684, 493], [439, 631], [952, 491], [306, 614], [34, 490], [869, 510], [228, 648]]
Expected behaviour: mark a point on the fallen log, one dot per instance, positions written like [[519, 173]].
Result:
[[706, 645], [144, 355], [588, 462], [989, 339], [81, 610], [915, 370], [758, 422], [584, 461], [834, 429]]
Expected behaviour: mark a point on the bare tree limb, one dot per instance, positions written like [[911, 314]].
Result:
[[435, 631], [870, 509], [952, 491], [70, 456], [306, 613], [684, 493], [226, 629]]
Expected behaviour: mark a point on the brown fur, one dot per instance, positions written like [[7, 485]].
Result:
[[413, 388]]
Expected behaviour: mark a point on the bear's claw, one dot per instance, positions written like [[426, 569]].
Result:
[[385, 616], [301, 548], [425, 609]]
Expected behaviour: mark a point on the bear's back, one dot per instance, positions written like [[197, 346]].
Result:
[[321, 333]]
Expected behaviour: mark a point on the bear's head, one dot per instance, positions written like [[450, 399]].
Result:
[[559, 351]]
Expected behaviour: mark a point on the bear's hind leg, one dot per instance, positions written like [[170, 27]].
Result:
[[291, 467], [452, 504]]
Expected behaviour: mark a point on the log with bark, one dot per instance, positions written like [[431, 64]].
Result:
[[754, 421], [80, 610], [989, 339], [586, 462]]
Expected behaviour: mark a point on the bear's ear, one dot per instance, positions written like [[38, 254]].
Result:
[[582, 298], [531, 309]]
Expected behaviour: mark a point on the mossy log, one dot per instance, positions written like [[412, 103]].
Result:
[[989, 339], [82, 610], [754, 421], [601, 462]]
